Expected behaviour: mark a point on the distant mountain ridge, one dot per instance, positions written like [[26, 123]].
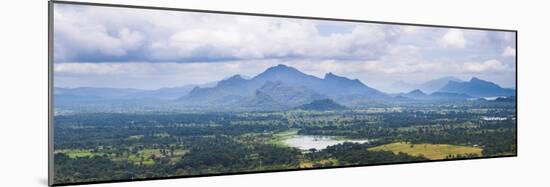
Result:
[[415, 94], [426, 87], [323, 104], [279, 94], [94, 93], [281, 85], [477, 88], [436, 96]]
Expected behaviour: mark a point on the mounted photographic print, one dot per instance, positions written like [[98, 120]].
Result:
[[139, 93]]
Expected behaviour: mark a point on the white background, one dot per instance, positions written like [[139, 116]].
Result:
[[23, 99]]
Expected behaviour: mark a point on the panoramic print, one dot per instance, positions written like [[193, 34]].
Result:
[[143, 93]]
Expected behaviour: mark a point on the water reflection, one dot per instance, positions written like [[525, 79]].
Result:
[[307, 142]]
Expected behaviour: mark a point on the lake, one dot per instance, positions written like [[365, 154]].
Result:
[[306, 142]]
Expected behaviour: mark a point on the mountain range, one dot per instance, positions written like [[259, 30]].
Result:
[[323, 104], [284, 87], [93, 95], [453, 90], [426, 87], [419, 95], [477, 88], [281, 85]]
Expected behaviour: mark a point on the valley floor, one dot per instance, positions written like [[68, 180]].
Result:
[[113, 146]]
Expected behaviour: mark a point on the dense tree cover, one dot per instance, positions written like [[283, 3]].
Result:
[[225, 155], [358, 154], [499, 137], [98, 168], [219, 155], [141, 145], [456, 124]]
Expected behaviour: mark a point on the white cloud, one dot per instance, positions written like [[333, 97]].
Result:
[[170, 74], [509, 52], [182, 36], [150, 75], [453, 39], [170, 44], [489, 65], [73, 37], [272, 38]]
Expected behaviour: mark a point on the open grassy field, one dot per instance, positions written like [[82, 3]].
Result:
[[430, 151], [148, 153], [77, 153], [133, 158]]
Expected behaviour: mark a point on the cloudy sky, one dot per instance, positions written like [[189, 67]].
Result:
[[149, 49]]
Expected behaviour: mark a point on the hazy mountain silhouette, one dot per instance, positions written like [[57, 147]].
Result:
[[323, 104], [477, 88], [279, 94], [426, 87], [415, 94], [93, 94], [283, 85]]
